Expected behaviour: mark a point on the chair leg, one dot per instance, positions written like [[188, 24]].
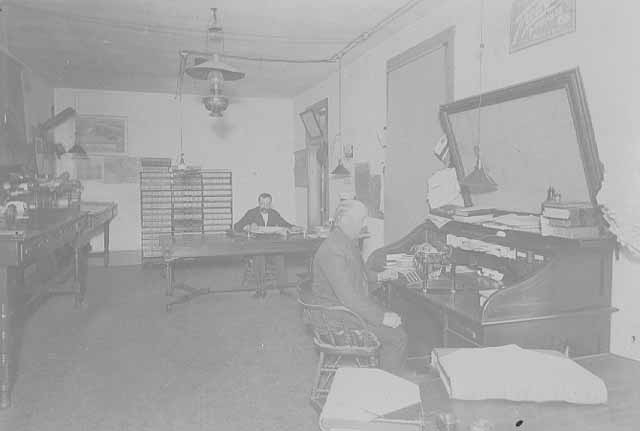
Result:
[[248, 273], [316, 381]]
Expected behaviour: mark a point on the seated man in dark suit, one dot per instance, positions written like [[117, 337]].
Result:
[[341, 278], [264, 215]]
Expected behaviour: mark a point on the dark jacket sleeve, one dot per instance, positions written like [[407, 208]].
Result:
[[245, 220], [279, 220], [338, 271]]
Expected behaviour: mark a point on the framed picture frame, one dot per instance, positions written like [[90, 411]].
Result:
[[101, 134], [311, 124]]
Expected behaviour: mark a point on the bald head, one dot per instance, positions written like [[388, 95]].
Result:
[[351, 217]]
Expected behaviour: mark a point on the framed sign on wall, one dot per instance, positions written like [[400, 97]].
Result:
[[536, 21]]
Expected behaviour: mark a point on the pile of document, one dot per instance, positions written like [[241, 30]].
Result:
[[574, 220], [401, 262], [525, 223], [481, 246]]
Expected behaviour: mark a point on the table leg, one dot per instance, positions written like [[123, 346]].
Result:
[[5, 340], [282, 277], [259, 266], [168, 266], [76, 274], [106, 244], [81, 272]]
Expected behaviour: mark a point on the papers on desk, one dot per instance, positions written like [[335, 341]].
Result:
[[512, 373], [481, 246], [400, 262], [526, 223], [269, 230], [439, 221]]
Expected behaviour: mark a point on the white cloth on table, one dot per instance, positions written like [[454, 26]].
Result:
[[512, 373]]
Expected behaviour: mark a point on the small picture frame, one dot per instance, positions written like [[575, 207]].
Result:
[[100, 134], [311, 124]]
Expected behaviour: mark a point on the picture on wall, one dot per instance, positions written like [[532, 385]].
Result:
[[89, 169], [118, 170], [536, 21], [99, 134]]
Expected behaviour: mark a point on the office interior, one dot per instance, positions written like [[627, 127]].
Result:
[[322, 102]]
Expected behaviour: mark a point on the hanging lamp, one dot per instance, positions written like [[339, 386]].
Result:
[[479, 181], [340, 170], [215, 71]]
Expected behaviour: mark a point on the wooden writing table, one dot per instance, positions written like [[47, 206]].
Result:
[[207, 247], [33, 262]]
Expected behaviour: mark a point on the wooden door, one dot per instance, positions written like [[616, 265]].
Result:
[[418, 82]]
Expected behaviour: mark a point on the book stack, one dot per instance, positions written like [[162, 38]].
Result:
[[573, 220], [473, 214]]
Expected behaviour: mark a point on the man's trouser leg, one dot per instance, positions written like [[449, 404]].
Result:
[[393, 352]]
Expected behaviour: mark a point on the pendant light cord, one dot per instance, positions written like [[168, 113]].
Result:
[[481, 76], [340, 96], [181, 126]]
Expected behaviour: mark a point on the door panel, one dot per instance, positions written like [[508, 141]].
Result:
[[415, 91]]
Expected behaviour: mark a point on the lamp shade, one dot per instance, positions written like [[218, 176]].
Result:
[[340, 170], [202, 67], [479, 181]]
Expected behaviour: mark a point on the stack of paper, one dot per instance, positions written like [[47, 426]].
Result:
[[527, 223], [269, 230], [401, 262]]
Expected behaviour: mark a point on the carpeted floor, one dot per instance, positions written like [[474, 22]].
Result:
[[122, 363]]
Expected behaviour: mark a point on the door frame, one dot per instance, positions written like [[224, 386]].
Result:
[[443, 39], [311, 145]]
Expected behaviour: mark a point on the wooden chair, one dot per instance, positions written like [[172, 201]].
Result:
[[270, 276], [341, 339]]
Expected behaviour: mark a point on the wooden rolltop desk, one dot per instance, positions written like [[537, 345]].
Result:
[[554, 288]]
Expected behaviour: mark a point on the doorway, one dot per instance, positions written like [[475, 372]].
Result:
[[316, 145], [418, 81]]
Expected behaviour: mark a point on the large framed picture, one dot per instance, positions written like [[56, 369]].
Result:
[[99, 134]]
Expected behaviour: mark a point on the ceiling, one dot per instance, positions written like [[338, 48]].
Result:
[[133, 45]]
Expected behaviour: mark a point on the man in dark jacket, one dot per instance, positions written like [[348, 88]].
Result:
[[341, 278], [262, 215]]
